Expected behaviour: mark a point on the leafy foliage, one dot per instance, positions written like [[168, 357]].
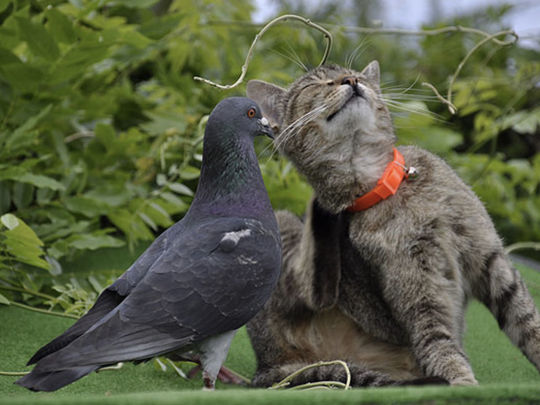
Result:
[[101, 123], [100, 117]]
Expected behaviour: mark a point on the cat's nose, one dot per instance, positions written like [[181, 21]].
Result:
[[350, 80], [353, 82]]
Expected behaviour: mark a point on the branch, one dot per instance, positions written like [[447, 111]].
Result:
[[437, 31], [287, 380], [43, 311], [455, 28], [522, 245], [25, 291], [326, 33], [380, 31], [14, 373], [473, 49]]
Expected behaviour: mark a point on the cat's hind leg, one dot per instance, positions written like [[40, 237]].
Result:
[[360, 376], [504, 292]]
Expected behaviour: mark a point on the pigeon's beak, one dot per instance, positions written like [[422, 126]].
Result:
[[265, 129]]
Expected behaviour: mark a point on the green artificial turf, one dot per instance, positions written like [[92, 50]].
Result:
[[504, 374]]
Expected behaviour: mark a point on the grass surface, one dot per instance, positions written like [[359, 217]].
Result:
[[504, 374]]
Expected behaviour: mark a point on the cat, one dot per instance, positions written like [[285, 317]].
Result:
[[384, 288]]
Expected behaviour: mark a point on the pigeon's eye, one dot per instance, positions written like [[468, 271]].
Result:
[[251, 113]]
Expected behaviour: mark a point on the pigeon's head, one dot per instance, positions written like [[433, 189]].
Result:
[[238, 116]]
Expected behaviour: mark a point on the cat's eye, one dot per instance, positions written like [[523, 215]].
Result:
[[251, 113], [330, 82]]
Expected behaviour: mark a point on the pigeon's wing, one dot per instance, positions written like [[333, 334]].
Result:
[[209, 280], [111, 297]]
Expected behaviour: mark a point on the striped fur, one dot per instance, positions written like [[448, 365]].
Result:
[[384, 289]]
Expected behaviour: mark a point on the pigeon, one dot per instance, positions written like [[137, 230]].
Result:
[[198, 282]]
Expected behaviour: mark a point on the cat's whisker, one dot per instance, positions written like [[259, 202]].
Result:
[[412, 84], [300, 122], [401, 90], [291, 129], [293, 57], [411, 109], [351, 59], [409, 97]]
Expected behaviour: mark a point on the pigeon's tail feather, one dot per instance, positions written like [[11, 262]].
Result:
[[53, 380], [105, 303]]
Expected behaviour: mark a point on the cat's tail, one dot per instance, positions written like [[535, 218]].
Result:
[[507, 297], [360, 376]]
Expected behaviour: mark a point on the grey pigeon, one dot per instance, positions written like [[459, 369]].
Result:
[[198, 282]]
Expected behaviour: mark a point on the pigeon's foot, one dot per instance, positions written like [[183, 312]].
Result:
[[225, 375], [209, 383], [229, 377]]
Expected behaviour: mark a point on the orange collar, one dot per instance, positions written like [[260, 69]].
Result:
[[386, 186]]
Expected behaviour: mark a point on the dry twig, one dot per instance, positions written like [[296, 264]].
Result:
[[320, 384], [327, 35], [379, 31]]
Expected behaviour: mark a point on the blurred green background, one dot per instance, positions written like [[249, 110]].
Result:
[[101, 121]]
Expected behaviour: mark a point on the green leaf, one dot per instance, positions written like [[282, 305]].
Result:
[[131, 225], [190, 173], [153, 214], [89, 207], [148, 221], [156, 28], [180, 188], [173, 199], [524, 122], [111, 194], [163, 121], [21, 242], [18, 230], [93, 241], [96, 285], [21, 77], [76, 61], [4, 300], [60, 26], [55, 267], [4, 4], [5, 196], [10, 221], [106, 135], [8, 33], [136, 39], [24, 130], [38, 39], [23, 194], [20, 175], [135, 3], [8, 58]]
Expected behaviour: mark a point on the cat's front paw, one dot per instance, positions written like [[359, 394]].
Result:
[[464, 381]]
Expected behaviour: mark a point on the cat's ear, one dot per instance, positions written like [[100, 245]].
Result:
[[271, 99], [372, 72]]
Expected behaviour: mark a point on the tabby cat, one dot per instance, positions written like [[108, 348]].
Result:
[[384, 288]]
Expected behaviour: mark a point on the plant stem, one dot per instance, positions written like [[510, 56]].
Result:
[[23, 290], [14, 373], [244, 68], [43, 311], [287, 380], [522, 245], [5, 280]]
